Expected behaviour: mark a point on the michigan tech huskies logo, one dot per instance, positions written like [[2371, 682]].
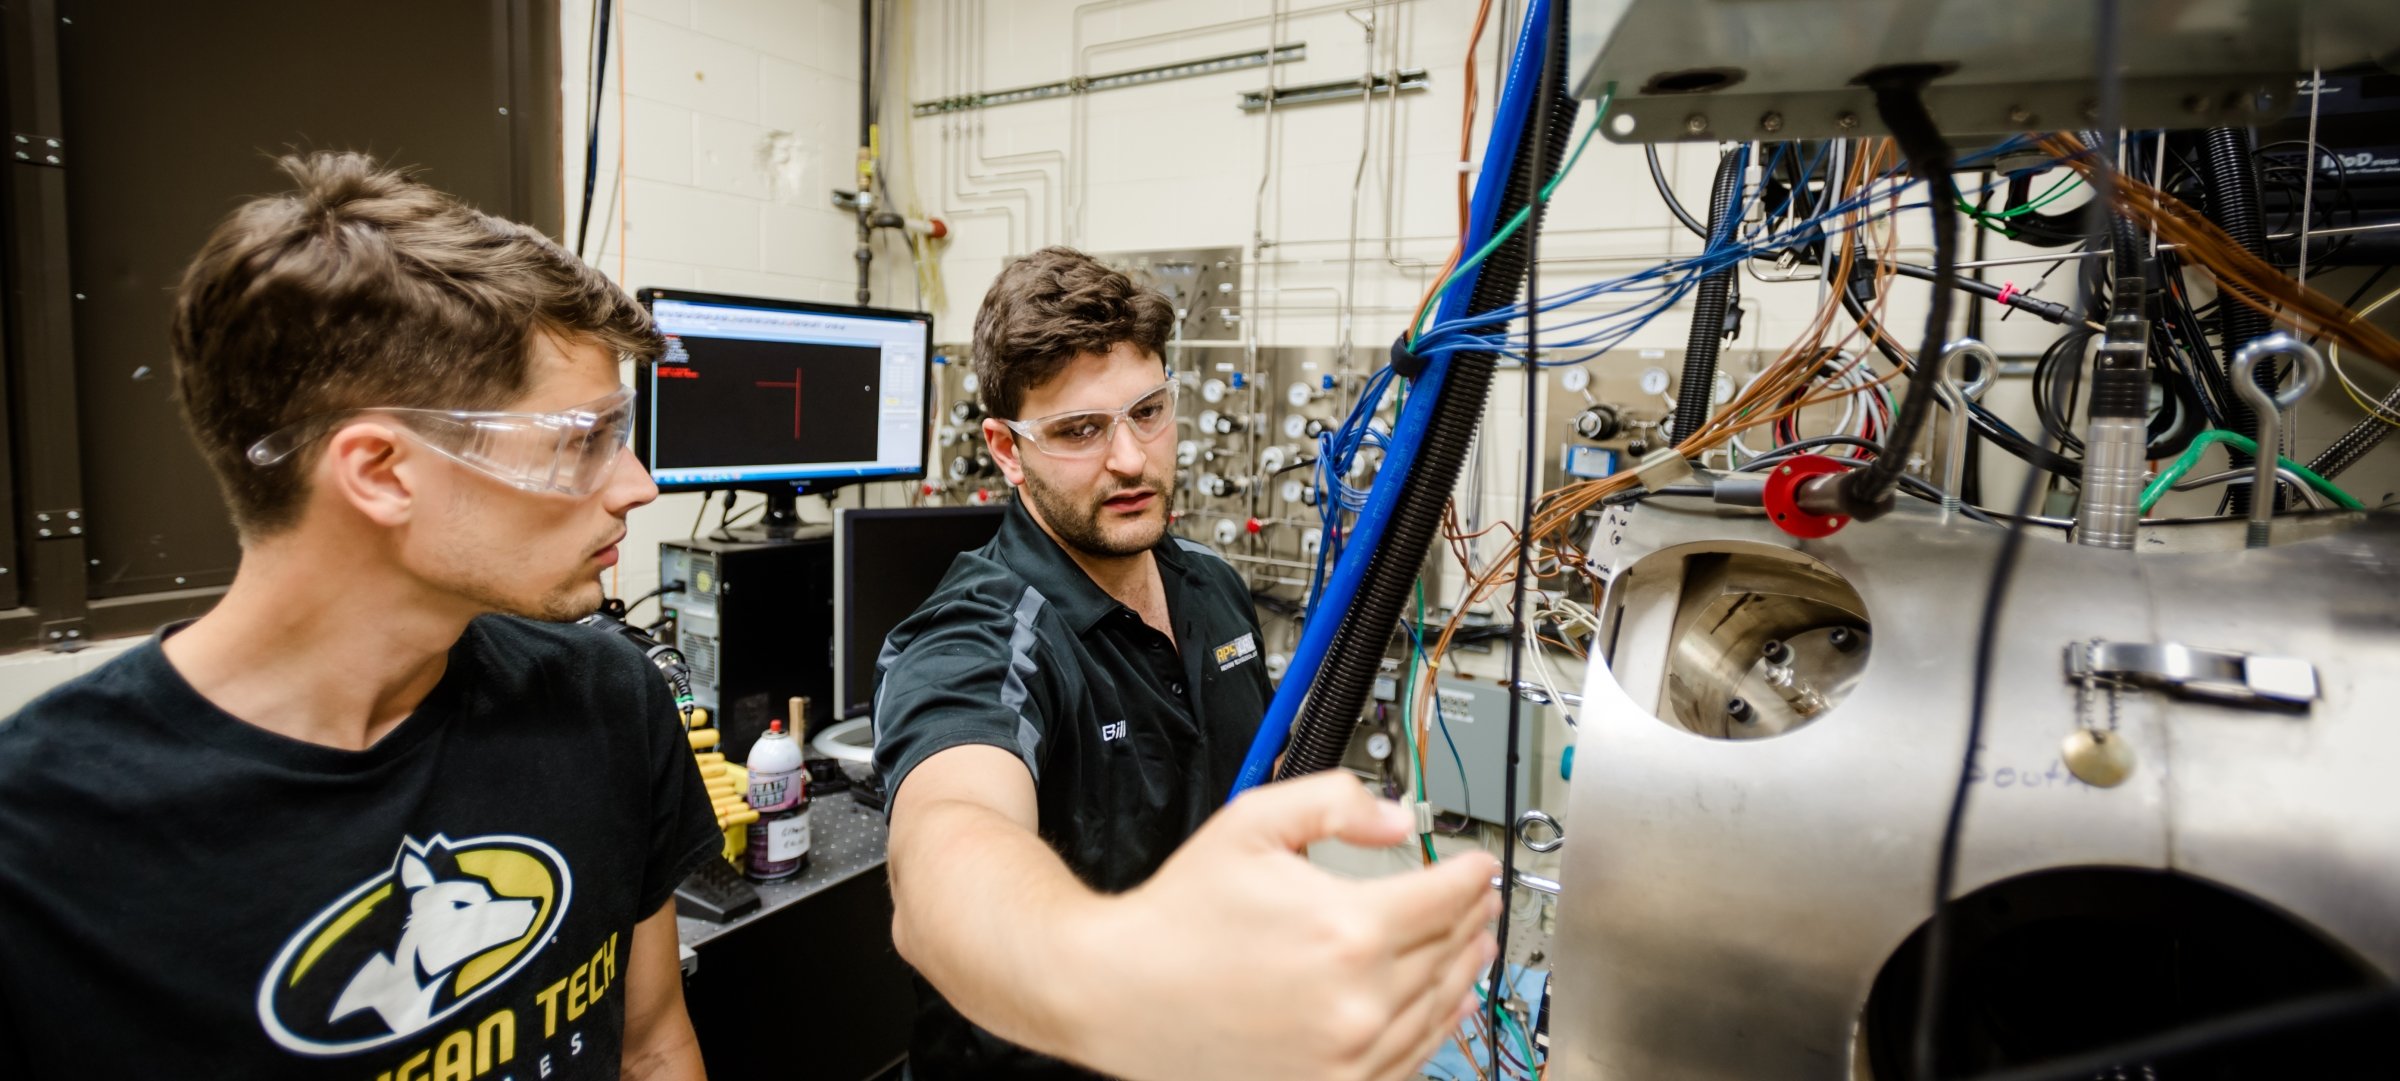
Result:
[[446, 922]]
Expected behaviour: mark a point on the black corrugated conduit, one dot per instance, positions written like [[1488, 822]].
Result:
[[1696, 395], [2233, 204], [1351, 662]]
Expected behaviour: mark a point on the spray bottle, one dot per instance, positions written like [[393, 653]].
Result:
[[778, 846]]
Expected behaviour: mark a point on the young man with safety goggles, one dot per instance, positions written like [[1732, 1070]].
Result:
[[1058, 727], [381, 813]]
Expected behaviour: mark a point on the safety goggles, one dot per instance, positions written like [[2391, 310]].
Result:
[[569, 452], [1086, 433]]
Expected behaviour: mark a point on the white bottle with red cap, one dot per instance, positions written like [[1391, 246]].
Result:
[[779, 792]]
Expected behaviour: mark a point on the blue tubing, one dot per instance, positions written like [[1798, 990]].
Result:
[[1499, 156]]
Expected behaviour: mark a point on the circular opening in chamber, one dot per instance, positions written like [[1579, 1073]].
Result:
[[2069, 962], [1763, 644]]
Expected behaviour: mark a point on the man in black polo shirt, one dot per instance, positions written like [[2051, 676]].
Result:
[[1058, 727]]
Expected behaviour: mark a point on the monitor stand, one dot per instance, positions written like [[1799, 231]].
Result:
[[783, 516]]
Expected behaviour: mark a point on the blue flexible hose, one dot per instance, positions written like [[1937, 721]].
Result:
[[1500, 154]]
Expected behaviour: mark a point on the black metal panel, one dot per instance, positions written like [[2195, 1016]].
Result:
[[47, 517], [172, 113]]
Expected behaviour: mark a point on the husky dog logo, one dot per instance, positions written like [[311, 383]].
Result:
[[446, 922]]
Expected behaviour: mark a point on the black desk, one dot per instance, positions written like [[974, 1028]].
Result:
[[808, 986]]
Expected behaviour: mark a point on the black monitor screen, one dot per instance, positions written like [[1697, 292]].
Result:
[[885, 563], [758, 393]]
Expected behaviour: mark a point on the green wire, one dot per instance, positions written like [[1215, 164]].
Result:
[[1416, 762], [1508, 1023], [1523, 215], [2191, 457], [2050, 195]]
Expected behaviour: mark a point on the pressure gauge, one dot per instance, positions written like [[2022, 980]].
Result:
[[1212, 391], [1187, 452], [1271, 459], [1300, 394], [1295, 426], [1228, 531], [1293, 491], [1208, 421], [1724, 389], [1311, 540], [1573, 380], [1379, 746], [969, 383], [1654, 380]]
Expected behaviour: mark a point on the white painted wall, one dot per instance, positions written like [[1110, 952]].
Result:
[[737, 119]]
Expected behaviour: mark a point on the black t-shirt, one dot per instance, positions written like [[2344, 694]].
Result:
[[1132, 740], [186, 895]]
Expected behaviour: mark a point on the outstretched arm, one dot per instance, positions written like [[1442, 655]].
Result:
[[1237, 959]]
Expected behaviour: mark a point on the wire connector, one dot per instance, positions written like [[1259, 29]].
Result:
[[1405, 364]]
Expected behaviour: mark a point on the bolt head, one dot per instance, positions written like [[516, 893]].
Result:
[[1846, 121], [1695, 123], [1771, 123], [2020, 115]]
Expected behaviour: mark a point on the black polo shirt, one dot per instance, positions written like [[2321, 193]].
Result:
[[1132, 740]]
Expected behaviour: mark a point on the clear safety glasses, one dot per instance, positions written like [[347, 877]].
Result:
[[1086, 433], [569, 452]]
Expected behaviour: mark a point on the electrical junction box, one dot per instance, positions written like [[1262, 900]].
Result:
[[1472, 783], [1589, 462]]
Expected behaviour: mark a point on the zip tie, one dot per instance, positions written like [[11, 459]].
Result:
[[2007, 290]]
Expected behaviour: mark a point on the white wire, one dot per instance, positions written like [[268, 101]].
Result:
[[2333, 357]]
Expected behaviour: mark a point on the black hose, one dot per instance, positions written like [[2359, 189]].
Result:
[[1696, 394], [1658, 176], [1335, 699], [2233, 203], [1900, 102]]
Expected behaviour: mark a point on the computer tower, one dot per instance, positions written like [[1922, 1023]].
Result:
[[754, 619]]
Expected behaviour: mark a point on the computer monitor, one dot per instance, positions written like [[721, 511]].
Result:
[[885, 563], [781, 396]]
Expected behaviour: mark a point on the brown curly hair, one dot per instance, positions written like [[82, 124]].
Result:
[[1050, 307]]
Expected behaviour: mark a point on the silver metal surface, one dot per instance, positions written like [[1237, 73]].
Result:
[[1726, 906], [2226, 675], [2269, 411], [2115, 467], [1740, 69]]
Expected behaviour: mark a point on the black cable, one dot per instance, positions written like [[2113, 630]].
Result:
[[1900, 102], [1795, 447], [1987, 425], [1658, 176], [2039, 309], [1552, 74], [591, 130], [1939, 928]]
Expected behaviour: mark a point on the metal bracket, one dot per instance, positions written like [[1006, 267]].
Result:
[[2218, 675], [57, 524], [63, 635], [1364, 86], [48, 150]]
